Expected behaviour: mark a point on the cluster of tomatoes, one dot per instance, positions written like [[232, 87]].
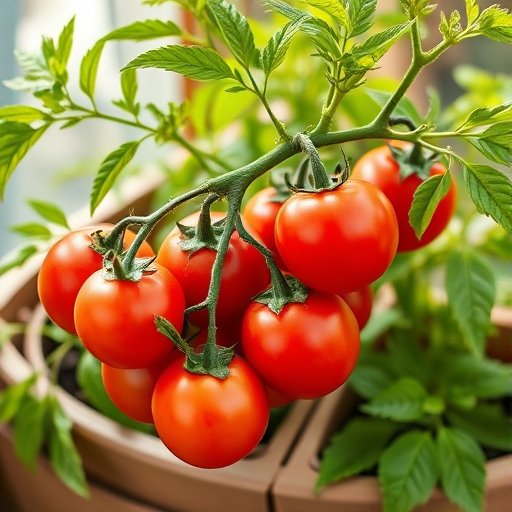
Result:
[[336, 242]]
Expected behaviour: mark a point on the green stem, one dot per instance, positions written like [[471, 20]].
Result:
[[199, 155], [329, 111], [56, 358], [322, 180], [204, 224]]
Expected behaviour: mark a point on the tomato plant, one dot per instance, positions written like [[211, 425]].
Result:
[[65, 268], [326, 241], [380, 167], [209, 422], [115, 318]]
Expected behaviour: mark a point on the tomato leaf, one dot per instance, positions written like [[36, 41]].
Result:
[[401, 401], [18, 258], [404, 108], [64, 457], [361, 13], [49, 212], [336, 9], [450, 27], [191, 61], [426, 200], [491, 191], [129, 87], [495, 143], [462, 468], [496, 23], [21, 114], [144, 30], [471, 289], [89, 68], [12, 397], [487, 423], [110, 168], [32, 230], [486, 115], [63, 49], [472, 10], [371, 375], [235, 30], [356, 448], [408, 471]]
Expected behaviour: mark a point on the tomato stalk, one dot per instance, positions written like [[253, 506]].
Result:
[[320, 176]]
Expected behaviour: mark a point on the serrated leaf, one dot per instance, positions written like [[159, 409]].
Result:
[[371, 375], [144, 30], [129, 88], [15, 141], [408, 471], [21, 256], [336, 9], [491, 191], [89, 68], [462, 469], [471, 289], [401, 401], [496, 23], [12, 397], [275, 51], [191, 61], [495, 143], [21, 114], [235, 89], [380, 323], [472, 11], [361, 14], [49, 211], [64, 456], [403, 355], [434, 106], [426, 200], [235, 30], [450, 27], [486, 115], [356, 448], [32, 230], [404, 108], [109, 170], [487, 423], [65, 44], [416, 8], [29, 429]]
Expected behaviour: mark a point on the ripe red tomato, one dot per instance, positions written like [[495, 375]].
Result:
[[360, 302], [132, 390], [244, 273], [69, 262], [380, 168], [115, 319], [340, 240], [210, 422], [261, 212], [307, 350]]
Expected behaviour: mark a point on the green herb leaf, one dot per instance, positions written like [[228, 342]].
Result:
[[487, 423], [371, 375], [32, 230], [491, 191], [450, 27], [235, 30], [462, 469], [405, 107], [110, 168], [89, 68], [495, 143], [472, 10], [403, 355], [471, 289], [408, 471], [15, 141], [486, 115], [64, 457], [414, 8], [275, 51], [20, 256], [129, 88], [30, 429], [434, 106], [191, 61], [21, 114], [380, 323], [49, 212], [12, 397], [144, 30], [401, 401], [426, 200], [361, 14], [496, 23], [336, 9], [356, 448], [64, 45]]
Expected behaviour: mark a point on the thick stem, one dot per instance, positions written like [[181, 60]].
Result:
[[320, 175], [328, 112]]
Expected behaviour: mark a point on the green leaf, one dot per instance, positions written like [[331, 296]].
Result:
[[64, 456], [235, 30], [15, 141], [336, 9], [434, 106], [30, 429], [496, 23], [415, 8], [426, 200], [12, 397], [450, 27], [89, 68], [33, 230], [401, 401], [487, 423], [21, 256], [90, 382], [495, 143], [129, 88], [191, 61], [486, 115], [491, 191], [21, 114], [471, 289], [371, 375], [64, 45], [49, 211], [356, 448], [403, 355], [361, 14], [144, 30], [380, 323], [110, 168], [408, 471], [275, 51], [405, 107], [462, 469], [472, 10]]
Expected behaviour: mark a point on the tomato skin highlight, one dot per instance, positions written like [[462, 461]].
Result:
[[340, 240], [209, 422], [115, 319], [360, 302], [244, 273], [307, 350], [378, 166], [69, 262]]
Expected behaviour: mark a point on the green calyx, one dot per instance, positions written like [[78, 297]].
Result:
[[284, 290], [211, 360], [102, 243], [122, 268], [412, 160]]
